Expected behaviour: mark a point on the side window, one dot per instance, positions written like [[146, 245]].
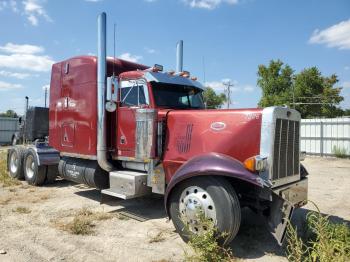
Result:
[[133, 93]]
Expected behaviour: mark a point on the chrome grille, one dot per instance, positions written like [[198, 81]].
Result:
[[285, 149]]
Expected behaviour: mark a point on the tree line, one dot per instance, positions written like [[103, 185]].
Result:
[[309, 92]]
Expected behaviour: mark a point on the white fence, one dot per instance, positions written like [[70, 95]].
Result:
[[8, 126], [322, 136]]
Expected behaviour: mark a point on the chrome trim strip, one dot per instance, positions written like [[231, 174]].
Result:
[[89, 157]]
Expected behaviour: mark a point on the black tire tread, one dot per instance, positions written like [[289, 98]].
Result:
[[231, 199], [39, 173], [20, 172]]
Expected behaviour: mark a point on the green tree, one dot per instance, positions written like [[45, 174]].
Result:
[[213, 100], [9, 113], [313, 93]]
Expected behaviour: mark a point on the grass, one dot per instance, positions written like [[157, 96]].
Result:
[[84, 222], [339, 152], [206, 245], [5, 179], [159, 237], [322, 240], [22, 210]]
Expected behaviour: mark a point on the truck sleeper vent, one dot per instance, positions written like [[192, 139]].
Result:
[[286, 149]]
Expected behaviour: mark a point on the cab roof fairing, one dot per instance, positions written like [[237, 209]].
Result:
[[172, 79]]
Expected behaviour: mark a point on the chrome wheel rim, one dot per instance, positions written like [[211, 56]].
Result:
[[14, 163], [30, 166], [195, 203]]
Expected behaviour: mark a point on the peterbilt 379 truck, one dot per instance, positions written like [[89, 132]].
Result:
[[131, 130]]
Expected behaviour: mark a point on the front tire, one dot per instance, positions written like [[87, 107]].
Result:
[[215, 198], [34, 174]]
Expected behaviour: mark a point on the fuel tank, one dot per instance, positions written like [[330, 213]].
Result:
[[235, 133], [83, 171]]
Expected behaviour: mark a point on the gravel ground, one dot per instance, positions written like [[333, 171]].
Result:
[[36, 233]]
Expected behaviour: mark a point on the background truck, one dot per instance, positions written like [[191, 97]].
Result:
[[131, 130]]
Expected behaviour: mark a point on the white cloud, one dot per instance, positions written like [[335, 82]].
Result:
[[47, 86], [335, 36], [21, 49], [7, 86], [220, 86], [150, 50], [346, 84], [346, 67], [208, 4], [12, 4], [130, 57], [14, 74], [34, 10], [26, 62], [25, 57], [248, 88]]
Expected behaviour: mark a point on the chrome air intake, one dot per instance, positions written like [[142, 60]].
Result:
[[280, 143]]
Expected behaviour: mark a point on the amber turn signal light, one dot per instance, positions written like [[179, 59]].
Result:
[[255, 163], [249, 164]]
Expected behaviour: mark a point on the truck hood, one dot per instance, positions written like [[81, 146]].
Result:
[[235, 133]]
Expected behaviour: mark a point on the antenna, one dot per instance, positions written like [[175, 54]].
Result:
[[203, 63], [114, 50], [228, 85]]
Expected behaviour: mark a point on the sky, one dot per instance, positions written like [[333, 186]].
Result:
[[223, 40]]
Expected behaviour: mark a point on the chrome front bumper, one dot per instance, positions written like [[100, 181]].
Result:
[[295, 193], [284, 200]]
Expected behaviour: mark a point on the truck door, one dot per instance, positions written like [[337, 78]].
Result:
[[133, 95]]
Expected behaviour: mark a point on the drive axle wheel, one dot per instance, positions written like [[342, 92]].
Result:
[[35, 175], [200, 200], [15, 162]]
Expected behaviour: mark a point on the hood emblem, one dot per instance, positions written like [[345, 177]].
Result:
[[217, 126]]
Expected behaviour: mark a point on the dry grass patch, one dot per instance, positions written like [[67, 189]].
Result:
[[159, 237], [21, 210], [83, 222], [5, 179]]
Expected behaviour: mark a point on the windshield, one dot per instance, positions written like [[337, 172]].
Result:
[[177, 96]]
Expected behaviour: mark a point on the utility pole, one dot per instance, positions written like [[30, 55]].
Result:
[[45, 89], [228, 86]]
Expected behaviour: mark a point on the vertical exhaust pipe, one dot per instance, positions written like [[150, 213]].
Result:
[[101, 93], [179, 56]]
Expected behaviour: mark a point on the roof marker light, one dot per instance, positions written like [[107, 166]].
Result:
[[194, 78], [171, 72], [184, 74], [157, 68]]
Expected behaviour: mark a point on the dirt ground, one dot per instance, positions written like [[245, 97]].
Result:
[[30, 219]]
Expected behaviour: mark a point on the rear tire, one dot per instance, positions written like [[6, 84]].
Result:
[[213, 196], [35, 175], [15, 162], [51, 174]]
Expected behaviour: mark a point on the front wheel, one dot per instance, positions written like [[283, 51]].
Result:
[[211, 197]]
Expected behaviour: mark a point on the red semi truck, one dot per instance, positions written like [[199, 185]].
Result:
[[131, 130]]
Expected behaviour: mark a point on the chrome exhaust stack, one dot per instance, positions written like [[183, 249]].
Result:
[[101, 93], [179, 56]]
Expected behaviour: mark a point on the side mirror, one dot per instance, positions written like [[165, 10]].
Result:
[[20, 120], [112, 92]]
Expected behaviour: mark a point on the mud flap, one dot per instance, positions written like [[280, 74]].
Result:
[[280, 213]]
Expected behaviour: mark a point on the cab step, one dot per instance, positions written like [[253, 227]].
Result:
[[127, 184]]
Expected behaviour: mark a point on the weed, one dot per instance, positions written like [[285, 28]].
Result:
[[340, 152], [157, 238], [83, 222], [5, 179], [206, 245], [326, 241], [21, 210]]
